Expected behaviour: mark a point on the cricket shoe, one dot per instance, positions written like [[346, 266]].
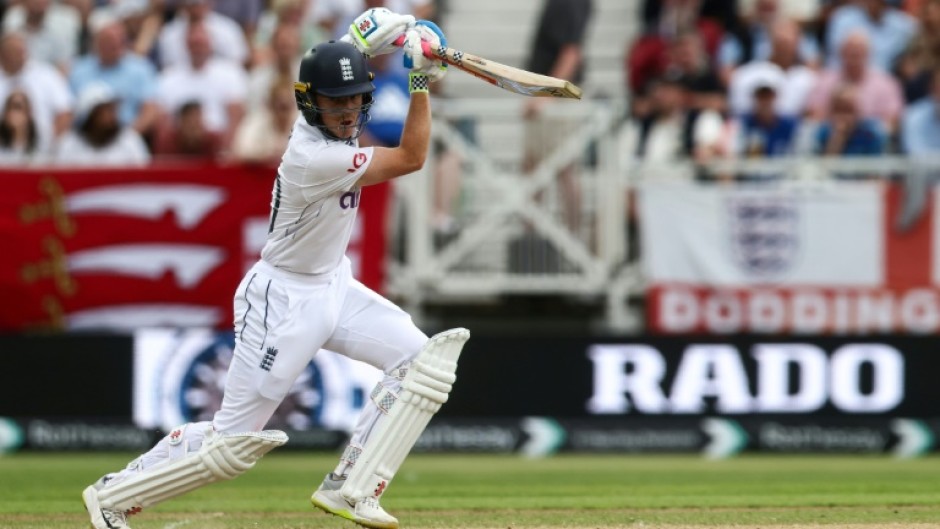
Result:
[[102, 518], [366, 512]]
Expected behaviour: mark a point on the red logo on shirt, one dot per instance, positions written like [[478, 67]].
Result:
[[358, 159], [175, 437]]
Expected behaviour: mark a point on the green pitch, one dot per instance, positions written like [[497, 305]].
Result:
[[42, 491]]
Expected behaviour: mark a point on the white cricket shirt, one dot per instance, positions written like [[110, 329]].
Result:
[[314, 201]]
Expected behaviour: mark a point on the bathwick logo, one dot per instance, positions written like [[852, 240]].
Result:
[[346, 69]]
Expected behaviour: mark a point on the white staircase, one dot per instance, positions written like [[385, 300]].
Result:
[[502, 31]]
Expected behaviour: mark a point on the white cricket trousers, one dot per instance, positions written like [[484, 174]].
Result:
[[282, 319]]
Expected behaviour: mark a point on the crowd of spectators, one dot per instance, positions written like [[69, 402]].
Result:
[[766, 78], [127, 82], [91, 81]]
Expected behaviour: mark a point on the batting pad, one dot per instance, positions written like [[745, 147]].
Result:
[[222, 456], [424, 389]]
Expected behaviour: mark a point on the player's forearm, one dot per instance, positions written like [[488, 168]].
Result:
[[416, 134], [566, 65]]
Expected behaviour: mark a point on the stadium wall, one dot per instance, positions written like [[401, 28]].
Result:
[[715, 395]]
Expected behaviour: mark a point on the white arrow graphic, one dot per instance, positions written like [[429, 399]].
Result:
[[190, 203], [545, 436], [188, 262], [727, 438], [915, 438]]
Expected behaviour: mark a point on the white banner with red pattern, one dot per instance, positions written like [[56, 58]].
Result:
[[789, 258]]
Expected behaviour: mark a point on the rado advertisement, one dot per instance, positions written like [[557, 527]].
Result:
[[762, 378], [706, 376], [514, 394]]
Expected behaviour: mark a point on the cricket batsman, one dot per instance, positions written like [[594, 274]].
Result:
[[301, 297]]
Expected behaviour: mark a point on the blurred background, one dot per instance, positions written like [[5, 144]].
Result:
[[729, 244]]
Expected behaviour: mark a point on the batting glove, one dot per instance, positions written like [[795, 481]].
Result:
[[374, 32], [420, 44]]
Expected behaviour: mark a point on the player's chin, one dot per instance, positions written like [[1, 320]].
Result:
[[344, 131]]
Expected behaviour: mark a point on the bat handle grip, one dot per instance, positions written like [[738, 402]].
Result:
[[425, 47]]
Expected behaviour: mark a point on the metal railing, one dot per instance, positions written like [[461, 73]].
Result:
[[515, 233], [515, 230]]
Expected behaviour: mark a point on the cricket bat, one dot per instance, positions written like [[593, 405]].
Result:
[[506, 77]]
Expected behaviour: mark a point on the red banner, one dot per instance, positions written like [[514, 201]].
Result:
[[134, 248]]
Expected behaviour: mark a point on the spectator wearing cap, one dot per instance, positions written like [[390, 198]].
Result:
[[98, 138], [764, 132], [52, 30], [226, 36], [847, 132], [920, 132], [47, 89], [132, 77], [792, 78], [218, 84], [879, 94], [889, 30]]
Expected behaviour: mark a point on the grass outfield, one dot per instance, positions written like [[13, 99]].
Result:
[[42, 491]]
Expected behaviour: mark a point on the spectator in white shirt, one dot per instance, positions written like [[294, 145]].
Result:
[[228, 39], [52, 30], [795, 79], [218, 84], [98, 139], [47, 89]]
